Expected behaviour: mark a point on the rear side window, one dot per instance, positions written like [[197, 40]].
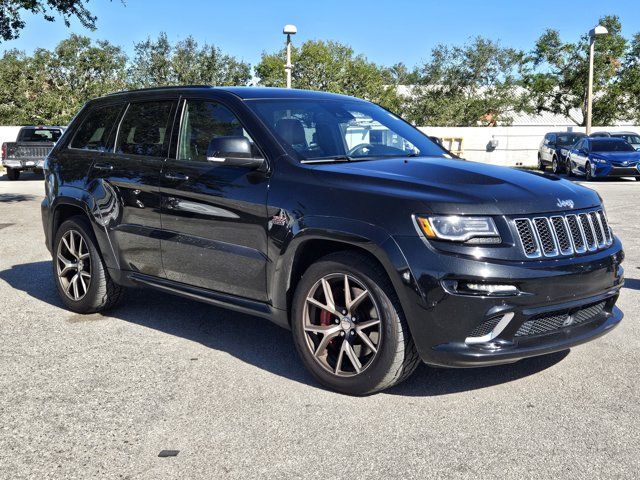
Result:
[[144, 129], [95, 129]]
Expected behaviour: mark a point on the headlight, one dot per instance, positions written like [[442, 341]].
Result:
[[456, 228]]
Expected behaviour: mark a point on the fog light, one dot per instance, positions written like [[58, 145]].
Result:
[[460, 287], [488, 289]]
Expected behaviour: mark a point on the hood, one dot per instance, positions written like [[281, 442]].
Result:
[[451, 186], [618, 157]]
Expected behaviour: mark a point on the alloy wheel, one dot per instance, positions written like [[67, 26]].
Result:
[[73, 263], [342, 325]]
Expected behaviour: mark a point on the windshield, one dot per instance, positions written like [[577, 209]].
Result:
[[568, 139], [631, 138], [341, 129], [611, 146], [39, 135]]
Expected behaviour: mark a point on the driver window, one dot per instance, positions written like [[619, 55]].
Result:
[[203, 121]]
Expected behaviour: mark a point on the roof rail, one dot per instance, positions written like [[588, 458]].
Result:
[[151, 89]]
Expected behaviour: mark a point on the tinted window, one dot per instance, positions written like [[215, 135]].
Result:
[[568, 138], [39, 135], [580, 145], [631, 138], [94, 131], [552, 138], [144, 129], [611, 146], [332, 128], [203, 121]]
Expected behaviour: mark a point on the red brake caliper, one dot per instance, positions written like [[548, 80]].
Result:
[[325, 318]]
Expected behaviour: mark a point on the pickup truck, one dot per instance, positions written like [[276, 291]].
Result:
[[29, 150]]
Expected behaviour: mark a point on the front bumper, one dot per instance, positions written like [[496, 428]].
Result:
[[608, 170], [442, 321]]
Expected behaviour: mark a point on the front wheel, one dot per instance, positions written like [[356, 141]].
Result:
[[13, 174], [81, 276], [541, 165], [555, 166], [348, 326]]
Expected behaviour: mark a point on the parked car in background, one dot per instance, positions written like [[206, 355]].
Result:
[[554, 150], [28, 152], [333, 218], [631, 137], [596, 157]]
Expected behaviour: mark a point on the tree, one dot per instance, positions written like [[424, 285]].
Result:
[[50, 86], [11, 20], [332, 67], [159, 63], [629, 81], [469, 85], [556, 75]]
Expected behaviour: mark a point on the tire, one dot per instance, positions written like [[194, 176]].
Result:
[[587, 172], [97, 291], [541, 166], [555, 166], [395, 357], [569, 168], [13, 174]]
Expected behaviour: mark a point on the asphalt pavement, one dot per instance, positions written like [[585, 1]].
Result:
[[100, 396]]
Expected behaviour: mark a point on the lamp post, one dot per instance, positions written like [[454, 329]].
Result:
[[593, 33], [289, 30]]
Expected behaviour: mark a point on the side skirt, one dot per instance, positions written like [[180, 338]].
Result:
[[231, 302]]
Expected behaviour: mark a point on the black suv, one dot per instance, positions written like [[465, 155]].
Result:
[[332, 217], [554, 150]]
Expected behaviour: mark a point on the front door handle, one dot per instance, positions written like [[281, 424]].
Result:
[[103, 166], [176, 176]]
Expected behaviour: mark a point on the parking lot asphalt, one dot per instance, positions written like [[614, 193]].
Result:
[[100, 396]]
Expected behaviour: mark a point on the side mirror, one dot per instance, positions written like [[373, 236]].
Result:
[[234, 151]]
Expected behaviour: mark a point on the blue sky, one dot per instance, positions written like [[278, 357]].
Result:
[[385, 31]]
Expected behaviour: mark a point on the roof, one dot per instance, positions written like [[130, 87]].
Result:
[[245, 93]]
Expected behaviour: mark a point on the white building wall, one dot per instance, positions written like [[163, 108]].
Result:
[[8, 134], [517, 145]]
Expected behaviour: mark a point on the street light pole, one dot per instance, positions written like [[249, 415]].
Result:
[[288, 31], [599, 30]]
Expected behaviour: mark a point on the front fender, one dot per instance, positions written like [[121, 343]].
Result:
[[353, 233]]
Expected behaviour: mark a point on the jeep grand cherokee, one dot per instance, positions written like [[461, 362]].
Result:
[[332, 217]]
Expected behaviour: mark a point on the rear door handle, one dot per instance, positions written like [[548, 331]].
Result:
[[176, 176], [103, 166]]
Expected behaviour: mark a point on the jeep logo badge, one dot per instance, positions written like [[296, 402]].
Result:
[[565, 203]]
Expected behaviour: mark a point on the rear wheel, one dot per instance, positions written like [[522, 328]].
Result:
[[13, 174], [588, 171], [569, 168], [348, 326], [81, 277]]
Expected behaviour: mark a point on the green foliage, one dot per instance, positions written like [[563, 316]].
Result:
[[158, 63], [332, 67], [473, 84], [11, 21], [629, 81], [555, 74], [49, 87]]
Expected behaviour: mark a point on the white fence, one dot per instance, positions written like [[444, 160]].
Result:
[[516, 145]]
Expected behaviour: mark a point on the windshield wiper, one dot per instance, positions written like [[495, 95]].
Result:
[[335, 158]]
